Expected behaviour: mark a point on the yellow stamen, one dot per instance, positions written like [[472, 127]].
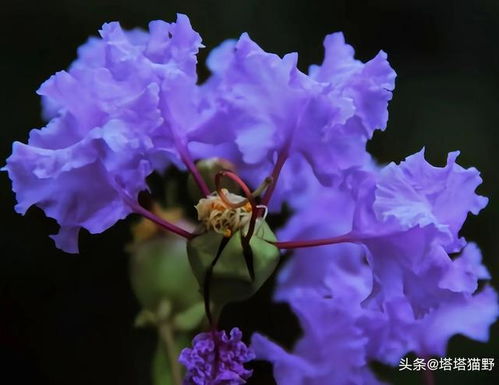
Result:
[[224, 214]]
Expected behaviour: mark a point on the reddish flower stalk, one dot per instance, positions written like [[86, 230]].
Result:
[[281, 159], [186, 158], [345, 238], [247, 192], [160, 221]]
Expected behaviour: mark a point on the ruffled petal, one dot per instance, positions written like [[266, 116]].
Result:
[[416, 193]]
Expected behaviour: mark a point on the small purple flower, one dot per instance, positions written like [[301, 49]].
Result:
[[216, 359]]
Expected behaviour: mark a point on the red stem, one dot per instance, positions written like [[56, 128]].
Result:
[[160, 221], [428, 377], [186, 158], [216, 352], [345, 238], [281, 159], [283, 155], [239, 181]]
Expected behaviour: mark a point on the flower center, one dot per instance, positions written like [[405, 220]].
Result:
[[224, 213]]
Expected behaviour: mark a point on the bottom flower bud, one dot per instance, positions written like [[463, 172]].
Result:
[[217, 359]]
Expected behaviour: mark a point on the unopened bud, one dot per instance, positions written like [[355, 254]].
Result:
[[231, 280]]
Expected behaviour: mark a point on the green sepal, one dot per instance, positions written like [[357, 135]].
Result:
[[231, 280]]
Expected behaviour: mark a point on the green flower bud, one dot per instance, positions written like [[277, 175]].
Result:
[[231, 280], [160, 273]]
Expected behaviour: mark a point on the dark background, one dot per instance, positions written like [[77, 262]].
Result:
[[67, 319]]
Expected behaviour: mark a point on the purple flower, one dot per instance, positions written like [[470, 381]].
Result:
[[334, 354], [130, 105], [395, 290], [325, 289], [416, 193], [113, 121], [216, 359], [268, 111], [409, 216], [82, 184]]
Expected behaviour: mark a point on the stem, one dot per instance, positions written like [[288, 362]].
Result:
[[428, 377], [161, 222], [166, 334], [216, 352], [281, 159], [267, 181], [207, 281], [186, 158], [345, 238], [283, 155], [245, 242], [232, 175]]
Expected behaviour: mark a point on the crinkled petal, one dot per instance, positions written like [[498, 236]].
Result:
[[125, 107], [416, 193], [288, 368], [217, 359], [325, 119], [81, 185]]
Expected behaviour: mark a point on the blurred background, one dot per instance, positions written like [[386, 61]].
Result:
[[68, 319]]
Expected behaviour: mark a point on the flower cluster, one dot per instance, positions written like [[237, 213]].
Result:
[[130, 105], [126, 107], [406, 282], [388, 263], [216, 359]]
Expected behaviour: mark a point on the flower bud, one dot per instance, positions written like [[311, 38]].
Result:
[[159, 268], [231, 280]]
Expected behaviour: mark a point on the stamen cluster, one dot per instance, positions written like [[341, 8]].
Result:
[[216, 214]]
